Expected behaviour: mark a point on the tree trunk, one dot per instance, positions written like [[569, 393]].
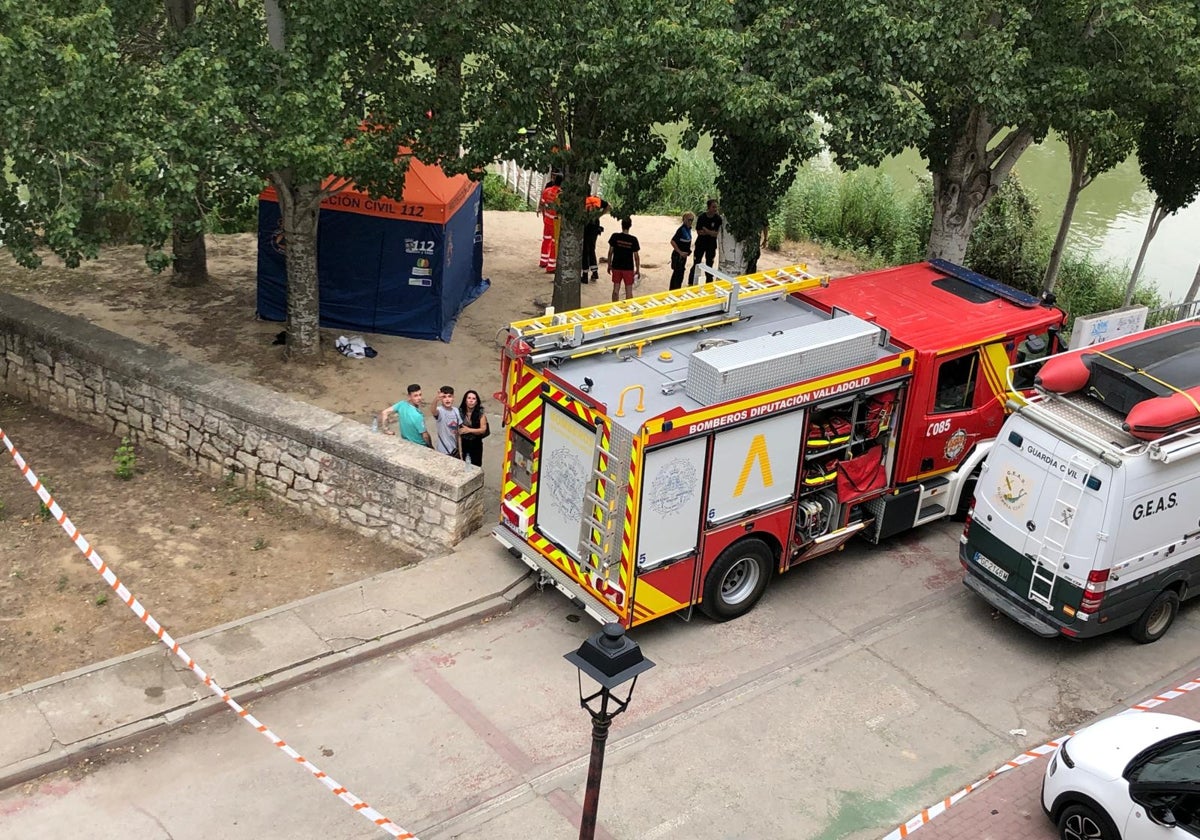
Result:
[[572, 215], [1195, 288], [738, 256], [180, 13], [965, 182], [1079, 180], [1157, 214], [570, 258], [299, 206], [189, 256]]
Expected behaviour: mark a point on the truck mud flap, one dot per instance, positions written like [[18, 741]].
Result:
[[1006, 605], [550, 574]]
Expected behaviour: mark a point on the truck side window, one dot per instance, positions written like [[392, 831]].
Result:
[[1033, 347], [956, 384]]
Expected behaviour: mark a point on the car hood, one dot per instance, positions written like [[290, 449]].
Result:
[[1105, 748]]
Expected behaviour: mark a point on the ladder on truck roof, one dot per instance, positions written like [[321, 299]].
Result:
[[608, 326], [1063, 514]]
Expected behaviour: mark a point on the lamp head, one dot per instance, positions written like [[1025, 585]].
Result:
[[610, 657]]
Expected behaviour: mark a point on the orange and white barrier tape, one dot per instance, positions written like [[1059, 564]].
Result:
[[163, 636], [932, 811]]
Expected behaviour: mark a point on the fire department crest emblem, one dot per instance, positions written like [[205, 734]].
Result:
[[955, 445], [673, 487]]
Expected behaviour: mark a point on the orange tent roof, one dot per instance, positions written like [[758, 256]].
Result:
[[430, 195]]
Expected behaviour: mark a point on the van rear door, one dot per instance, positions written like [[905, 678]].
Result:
[[1037, 495]]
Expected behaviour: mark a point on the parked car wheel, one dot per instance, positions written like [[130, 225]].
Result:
[[737, 580], [1153, 624], [1079, 822]]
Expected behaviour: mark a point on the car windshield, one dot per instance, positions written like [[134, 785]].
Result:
[[1171, 761]]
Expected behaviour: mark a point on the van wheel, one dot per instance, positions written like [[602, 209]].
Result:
[[1158, 617], [737, 580]]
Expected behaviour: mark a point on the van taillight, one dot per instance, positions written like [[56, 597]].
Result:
[[1093, 591], [968, 519]]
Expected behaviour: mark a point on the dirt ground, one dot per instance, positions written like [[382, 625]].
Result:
[[195, 552]]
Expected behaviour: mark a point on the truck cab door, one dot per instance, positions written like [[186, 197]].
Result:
[[964, 403]]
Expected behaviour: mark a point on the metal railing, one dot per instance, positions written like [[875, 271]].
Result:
[[1170, 314]]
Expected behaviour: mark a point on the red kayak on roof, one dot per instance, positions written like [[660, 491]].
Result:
[[1152, 378]]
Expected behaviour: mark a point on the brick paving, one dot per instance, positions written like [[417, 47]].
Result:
[[1009, 807]]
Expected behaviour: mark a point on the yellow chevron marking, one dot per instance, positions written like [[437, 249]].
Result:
[[995, 367], [756, 452], [654, 602]]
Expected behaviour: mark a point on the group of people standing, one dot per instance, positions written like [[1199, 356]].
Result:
[[459, 429], [624, 259], [703, 240]]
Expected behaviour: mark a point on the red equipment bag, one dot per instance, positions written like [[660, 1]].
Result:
[[861, 476]]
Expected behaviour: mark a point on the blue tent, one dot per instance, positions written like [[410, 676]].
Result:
[[405, 267]]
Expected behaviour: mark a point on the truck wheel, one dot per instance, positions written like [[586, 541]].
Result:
[[737, 580], [1152, 625]]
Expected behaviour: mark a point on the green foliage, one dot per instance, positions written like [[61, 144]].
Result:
[[1008, 243], [43, 510], [861, 212], [63, 133], [687, 183], [497, 195], [1169, 157], [125, 459], [101, 599]]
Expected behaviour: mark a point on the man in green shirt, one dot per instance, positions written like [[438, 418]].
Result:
[[409, 419]]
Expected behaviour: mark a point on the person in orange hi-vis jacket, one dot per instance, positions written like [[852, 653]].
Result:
[[548, 210]]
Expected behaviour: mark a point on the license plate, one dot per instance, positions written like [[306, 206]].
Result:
[[991, 567]]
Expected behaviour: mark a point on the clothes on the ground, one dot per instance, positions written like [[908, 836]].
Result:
[[411, 422], [447, 421]]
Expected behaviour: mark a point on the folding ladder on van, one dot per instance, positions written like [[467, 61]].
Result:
[[1054, 539]]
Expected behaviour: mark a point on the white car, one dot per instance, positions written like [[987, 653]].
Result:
[[1135, 776]]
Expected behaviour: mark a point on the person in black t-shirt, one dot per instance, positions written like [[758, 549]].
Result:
[[624, 260], [708, 228]]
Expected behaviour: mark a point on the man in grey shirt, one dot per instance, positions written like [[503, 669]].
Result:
[[448, 419]]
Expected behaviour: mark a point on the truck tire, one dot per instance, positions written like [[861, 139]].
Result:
[[737, 580], [1153, 624]]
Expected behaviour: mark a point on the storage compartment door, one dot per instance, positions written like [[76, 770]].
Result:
[[672, 489], [565, 474], [754, 466]]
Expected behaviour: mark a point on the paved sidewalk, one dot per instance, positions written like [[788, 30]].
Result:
[[56, 722], [1009, 807]]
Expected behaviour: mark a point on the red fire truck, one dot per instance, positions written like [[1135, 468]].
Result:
[[677, 449]]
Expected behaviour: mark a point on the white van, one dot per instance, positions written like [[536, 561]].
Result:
[[1079, 526]]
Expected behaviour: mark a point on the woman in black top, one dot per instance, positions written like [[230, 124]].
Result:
[[474, 428]]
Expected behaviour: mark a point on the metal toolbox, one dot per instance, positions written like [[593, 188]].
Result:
[[772, 361]]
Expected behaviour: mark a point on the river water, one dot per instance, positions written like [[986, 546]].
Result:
[[1110, 218]]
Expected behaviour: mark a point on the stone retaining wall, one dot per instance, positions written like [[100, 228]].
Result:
[[325, 465]]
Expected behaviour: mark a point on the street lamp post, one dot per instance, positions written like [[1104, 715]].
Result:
[[610, 659]]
